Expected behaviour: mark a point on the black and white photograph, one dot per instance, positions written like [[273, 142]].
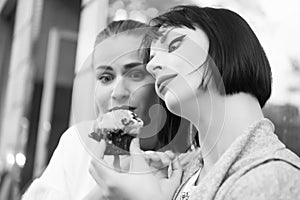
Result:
[[149, 100]]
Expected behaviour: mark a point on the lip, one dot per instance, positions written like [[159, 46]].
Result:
[[124, 107], [163, 81]]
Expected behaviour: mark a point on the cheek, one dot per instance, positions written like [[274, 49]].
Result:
[[102, 97], [189, 61], [182, 89], [173, 103], [178, 64], [145, 96], [177, 100], [193, 53]]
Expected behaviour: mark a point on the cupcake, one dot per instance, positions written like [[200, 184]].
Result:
[[117, 128]]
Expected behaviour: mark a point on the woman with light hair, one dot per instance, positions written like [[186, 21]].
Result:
[[121, 80]]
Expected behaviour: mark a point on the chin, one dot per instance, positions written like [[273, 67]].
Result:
[[173, 104]]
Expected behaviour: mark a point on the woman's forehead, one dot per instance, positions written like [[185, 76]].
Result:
[[164, 33], [167, 33], [115, 48]]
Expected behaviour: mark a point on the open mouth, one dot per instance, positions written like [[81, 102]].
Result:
[[131, 108]]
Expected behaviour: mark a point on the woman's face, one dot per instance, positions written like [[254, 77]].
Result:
[[122, 79], [175, 61]]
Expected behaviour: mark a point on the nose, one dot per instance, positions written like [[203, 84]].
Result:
[[120, 90], [154, 68]]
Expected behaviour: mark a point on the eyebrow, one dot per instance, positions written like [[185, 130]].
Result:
[[126, 66], [105, 67], [132, 65], [164, 36]]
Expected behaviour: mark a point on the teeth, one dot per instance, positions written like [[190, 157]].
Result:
[[123, 107]]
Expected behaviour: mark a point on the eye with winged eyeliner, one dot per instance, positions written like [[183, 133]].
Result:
[[175, 44]]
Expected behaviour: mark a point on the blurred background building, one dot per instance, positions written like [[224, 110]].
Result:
[[44, 86]]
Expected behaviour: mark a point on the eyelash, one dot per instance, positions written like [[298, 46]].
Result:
[[150, 58], [176, 40], [141, 74], [102, 76]]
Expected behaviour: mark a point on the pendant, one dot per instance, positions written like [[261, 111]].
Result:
[[185, 196]]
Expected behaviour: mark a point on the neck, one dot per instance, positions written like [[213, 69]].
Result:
[[223, 122]]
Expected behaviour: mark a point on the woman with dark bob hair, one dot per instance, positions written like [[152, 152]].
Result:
[[211, 69]]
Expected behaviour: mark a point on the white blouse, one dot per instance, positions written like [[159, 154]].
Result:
[[67, 175]]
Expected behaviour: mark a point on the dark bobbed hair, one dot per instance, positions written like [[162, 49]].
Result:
[[135, 28], [233, 48]]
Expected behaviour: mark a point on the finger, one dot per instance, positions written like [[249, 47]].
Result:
[[157, 161], [135, 146], [138, 162], [100, 149], [148, 152], [186, 158], [170, 154], [164, 159], [117, 163], [147, 156], [125, 163], [153, 159], [176, 171], [153, 156]]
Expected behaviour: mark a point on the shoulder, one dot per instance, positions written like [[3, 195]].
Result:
[[68, 164], [71, 146], [75, 134], [275, 179], [39, 189]]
